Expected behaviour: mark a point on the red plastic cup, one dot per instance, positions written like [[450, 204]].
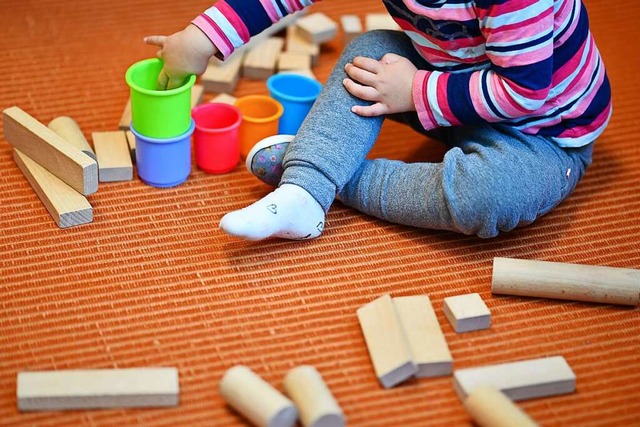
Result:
[[216, 137]]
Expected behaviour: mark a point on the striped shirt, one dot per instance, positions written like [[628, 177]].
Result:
[[531, 64]]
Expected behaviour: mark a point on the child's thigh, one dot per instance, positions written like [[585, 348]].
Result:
[[375, 44]]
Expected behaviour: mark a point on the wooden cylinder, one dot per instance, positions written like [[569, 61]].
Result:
[[489, 407], [256, 399], [69, 130], [543, 279], [317, 406]]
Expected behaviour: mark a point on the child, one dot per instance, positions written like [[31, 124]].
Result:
[[515, 89]]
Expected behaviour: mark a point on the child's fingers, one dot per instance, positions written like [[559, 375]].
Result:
[[155, 40], [374, 110], [368, 64], [174, 82], [363, 92], [163, 80], [358, 74]]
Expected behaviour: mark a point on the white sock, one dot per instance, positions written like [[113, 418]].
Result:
[[289, 212]]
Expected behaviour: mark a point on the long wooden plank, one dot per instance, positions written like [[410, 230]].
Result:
[[50, 150], [66, 206], [97, 388], [527, 379]]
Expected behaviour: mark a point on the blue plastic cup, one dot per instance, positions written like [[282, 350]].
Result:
[[297, 94], [163, 162]]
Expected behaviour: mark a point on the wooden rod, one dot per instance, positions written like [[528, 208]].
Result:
[[67, 128], [491, 408], [543, 279]]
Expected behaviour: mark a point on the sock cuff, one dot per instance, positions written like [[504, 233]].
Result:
[[315, 182]]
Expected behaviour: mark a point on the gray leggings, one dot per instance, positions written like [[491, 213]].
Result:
[[493, 178]]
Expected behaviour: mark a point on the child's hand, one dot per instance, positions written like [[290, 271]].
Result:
[[387, 83], [185, 52]]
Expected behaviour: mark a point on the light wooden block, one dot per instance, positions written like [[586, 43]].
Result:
[[317, 28], [428, 345], [467, 313], [222, 76], [386, 341], [197, 92], [125, 119], [312, 397], [224, 98], [114, 156], [50, 150], [380, 21], [296, 43], [67, 128], [97, 388], [256, 399], [293, 61], [351, 27], [528, 379], [305, 72], [490, 407], [131, 142], [544, 279], [66, 206], [260, 61]]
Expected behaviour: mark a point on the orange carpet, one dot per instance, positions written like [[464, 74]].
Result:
[[153, 282]]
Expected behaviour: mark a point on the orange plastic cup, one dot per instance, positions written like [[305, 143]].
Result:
[[260, 116]]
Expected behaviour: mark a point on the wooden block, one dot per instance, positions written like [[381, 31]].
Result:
[[380, 21], [131, 142], [305, 72], [50, 150], [224, 98], [67, 128], [222, 76], [351, 27], [428, 345], [317, 28], [296, 43], [386, 341], [66, 206], [467, 313], [114, 156], [125, 120], [197, 92], [548, 376], [312, 397], [543, 279], [260, 61], [489, 407], [256, 399], [293, 61], [97, 388]]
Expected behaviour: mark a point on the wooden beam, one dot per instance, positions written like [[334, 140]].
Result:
[[125, 119], [588, 283], [114, 156], [50, 150], [97, 388], [66, 206]]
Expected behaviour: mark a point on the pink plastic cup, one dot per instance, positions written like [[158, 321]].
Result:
[[216, 137]]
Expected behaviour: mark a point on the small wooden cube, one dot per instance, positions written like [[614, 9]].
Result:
[[224, 98], [317, 28], [467, 313], [293, 61], [380, 21], [222, 76], [351, 27], [261, 60], [296, 43]]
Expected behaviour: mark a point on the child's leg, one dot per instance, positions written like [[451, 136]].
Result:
[[493, 179], [327, 150]]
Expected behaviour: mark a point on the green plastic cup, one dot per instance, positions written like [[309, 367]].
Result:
[[158, 113]]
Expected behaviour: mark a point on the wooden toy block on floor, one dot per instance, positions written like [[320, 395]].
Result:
[[197, 92], [314, 400], [428, 345], [125, 119], [380, 21], [467, 313], [260, 61], [293, 61], [131, 142], [544, 279], [317, 28], [351, 27], [296, 43], [386, 341], [97, 388], [528, 379], [222, 76], [50, 151], [114, 156], [224, 98], [68, 129], [66, 206], [256, 399], [489, 407]]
